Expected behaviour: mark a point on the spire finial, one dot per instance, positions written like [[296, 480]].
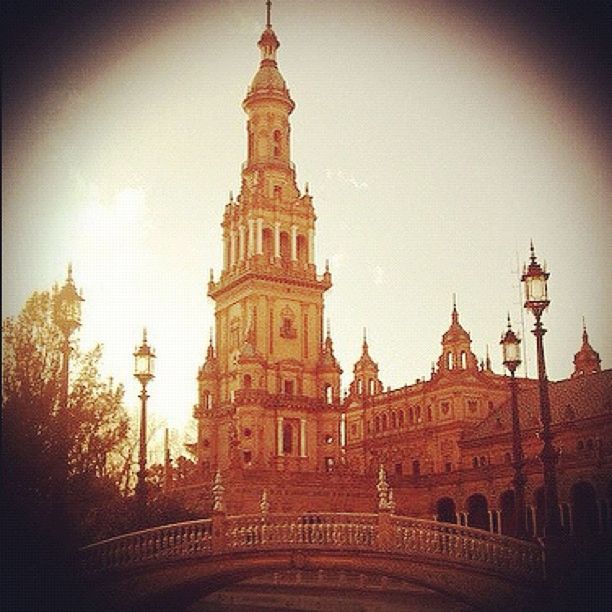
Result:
[[533, 255], [585, 335], [455, 314], [69, 278], [327, 265], [144, 335], [210, 338], [454, 302], [328, 328], [268, 11], [231, 194], [509, 324], [306, 188]]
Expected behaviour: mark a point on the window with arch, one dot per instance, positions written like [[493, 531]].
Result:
[[277, 142], [377, 424], [285, 246], [359, 386], [267, 243], [507, 458], [417, 414], [247, 381], [287, 329], [328, 393], [416, 467], [287, 438], [449, 361], [401, 418], [429, 414], [384, 422], [371, 386], [463, 360], [206, 400], [475, 462], [411, 415], [393, 420], [483, 461], [302, 248], [277, 191]]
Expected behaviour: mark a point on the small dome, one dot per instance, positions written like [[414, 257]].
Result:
[[268, 77]]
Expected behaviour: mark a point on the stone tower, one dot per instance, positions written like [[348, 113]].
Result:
[[269, 390]]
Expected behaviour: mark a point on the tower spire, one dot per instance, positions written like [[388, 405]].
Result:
[[268, 11]]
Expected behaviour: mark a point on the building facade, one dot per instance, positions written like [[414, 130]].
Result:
[[271, 414]]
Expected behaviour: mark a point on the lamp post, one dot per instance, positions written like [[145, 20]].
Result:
[[511, 355], [144, 361], [67, 316], [536, 299]]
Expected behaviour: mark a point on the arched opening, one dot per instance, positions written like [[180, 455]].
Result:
[[417, 414], [247, 381], [206, 400], [429, 415], [393, 420], [446, 511], [359, 386], [478, 511], [302, 249], [267, 243], [287, 439], [449, 361], [328, 393], [285, 248], [416, 467], [277, 143], [411, 415], [584, 509], [508, 513], [401, 418], [463, 360], [371, 386], [384, 422], [377, 424]]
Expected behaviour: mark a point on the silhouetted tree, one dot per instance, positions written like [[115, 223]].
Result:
[[61, 461]]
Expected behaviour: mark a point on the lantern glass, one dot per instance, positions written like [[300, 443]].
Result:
[[536, 288], [511, 351]]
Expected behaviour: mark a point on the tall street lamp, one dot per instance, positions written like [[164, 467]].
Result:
[[67, 316], [511, 355], [144, 361], [536, 299]]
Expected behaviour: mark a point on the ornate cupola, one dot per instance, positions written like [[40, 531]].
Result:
[[365, 373], [269, 170], [329, 371], [456, 347], [586, 360]]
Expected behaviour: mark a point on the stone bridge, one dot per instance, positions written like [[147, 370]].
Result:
[[170, 567]]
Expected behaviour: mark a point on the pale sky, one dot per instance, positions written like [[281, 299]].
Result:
[[436, 144]]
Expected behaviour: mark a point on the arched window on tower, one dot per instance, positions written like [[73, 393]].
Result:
[[285, 248], [277, 143], [267, 243], [384, 422], [449, 361], [287, 439], [248, 381], [328, 393], [401, 418], [377, 424], [371, 386], [302, 248], [393, 420], [463, 360]]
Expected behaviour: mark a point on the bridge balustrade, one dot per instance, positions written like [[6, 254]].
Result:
[[394, 536], [178, 541], [466, 544], [326, 530]]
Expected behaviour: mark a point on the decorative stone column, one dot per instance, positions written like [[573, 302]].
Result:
[[241, 243], [293, 242], [251, 243], [310, 246], [277, 240], [259, 243], [279, 435], [302, 437], [232, 248]]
